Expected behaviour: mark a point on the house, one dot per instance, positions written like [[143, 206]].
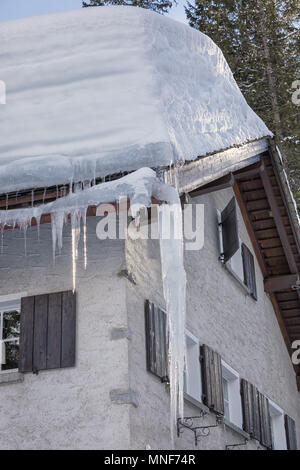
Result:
[[94, 97]]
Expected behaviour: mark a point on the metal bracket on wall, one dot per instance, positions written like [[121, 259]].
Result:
[[233, 446], [191, 423]]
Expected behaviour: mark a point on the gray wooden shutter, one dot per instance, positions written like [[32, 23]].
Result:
[[48, 329], [265, 421], [250, 405], [291, 437], [249, 271], [230, 234], [212, 379], [156, 341]]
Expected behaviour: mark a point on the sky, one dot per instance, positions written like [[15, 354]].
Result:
[[11, 9]]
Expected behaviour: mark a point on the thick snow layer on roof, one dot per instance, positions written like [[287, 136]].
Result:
[[101, 90]]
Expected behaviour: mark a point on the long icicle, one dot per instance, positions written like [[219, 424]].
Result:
[[73, 260], [174, 287], [84, 238]]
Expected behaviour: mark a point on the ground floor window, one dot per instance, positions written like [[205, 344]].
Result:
[[232, 395], [226, 399], [192, 376], [9, 332]]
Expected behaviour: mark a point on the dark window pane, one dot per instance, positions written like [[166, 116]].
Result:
[[10, 355], [11, 324]]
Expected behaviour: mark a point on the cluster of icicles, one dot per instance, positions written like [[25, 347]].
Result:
[[139, 187]]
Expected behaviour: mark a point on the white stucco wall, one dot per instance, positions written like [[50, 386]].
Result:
[[73, 408], [221, 315], [69, 408]]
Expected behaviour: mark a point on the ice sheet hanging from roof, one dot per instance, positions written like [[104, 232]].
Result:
[[102, 90]]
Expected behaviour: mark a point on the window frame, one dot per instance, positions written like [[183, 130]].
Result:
[[229, 267], [196, 343], [226, 399], [276, 411], [9, 303], [234, 396]]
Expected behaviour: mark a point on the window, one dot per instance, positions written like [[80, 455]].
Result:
[[10, 307], [249, 271], [229, 238], [236, 256], [48, 332], [192, 376], [226, 399], [291, 435], [277, 427], [156, 341], [235, 266], [231, 395]]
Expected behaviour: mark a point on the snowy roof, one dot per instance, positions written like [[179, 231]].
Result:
[[98, 91]]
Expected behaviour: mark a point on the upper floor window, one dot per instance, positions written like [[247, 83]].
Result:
[[236, 256], [10, 307], [192, 376]]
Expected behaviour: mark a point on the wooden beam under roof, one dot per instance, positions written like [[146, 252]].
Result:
[[278, 283], [278, 221]]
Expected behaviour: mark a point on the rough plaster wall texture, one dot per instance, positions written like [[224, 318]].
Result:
[[70, 408], [245, 332], [149, 423]]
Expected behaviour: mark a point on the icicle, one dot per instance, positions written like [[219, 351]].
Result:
[[2, 238], [57, 223], [93, 181], [73, 260], [173, 275], [6, 202], [84, 239], [38, 225], [32, 198], [44, 195], [174, 287], [54, 236], [25, 239], [75, 224]]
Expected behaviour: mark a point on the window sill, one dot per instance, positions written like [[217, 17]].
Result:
[[193, 401], [236, 429], [7, 378]]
